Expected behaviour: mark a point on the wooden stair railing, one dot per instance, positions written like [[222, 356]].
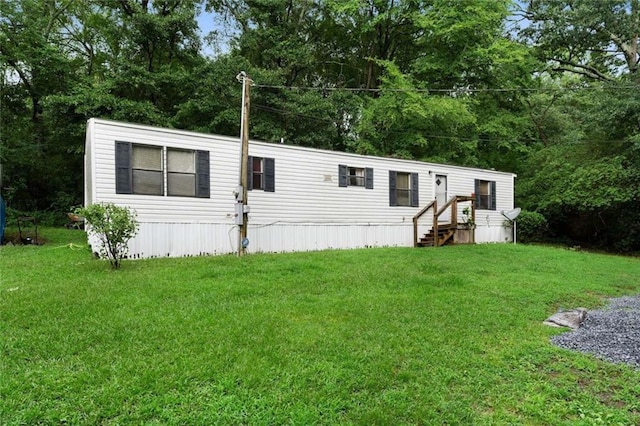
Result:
[[439, 238], [433, 204]]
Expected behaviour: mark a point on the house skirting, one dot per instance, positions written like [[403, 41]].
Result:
[[205, 239]]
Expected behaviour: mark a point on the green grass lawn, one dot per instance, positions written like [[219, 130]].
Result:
[[378, 336]]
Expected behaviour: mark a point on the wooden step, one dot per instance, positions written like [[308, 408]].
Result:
[[445, 234], [447, 226]]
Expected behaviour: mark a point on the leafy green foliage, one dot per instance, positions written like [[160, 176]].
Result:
[[585, 178], [532, 227], [114, 226], [592, 38], [64, 62], [406, 123], [35, 63], [595, 185], [463, 46]]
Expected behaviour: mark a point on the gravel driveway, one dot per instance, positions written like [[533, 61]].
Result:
[[612, 333]]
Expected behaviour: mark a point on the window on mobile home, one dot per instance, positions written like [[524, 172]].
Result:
[[141, 169], [485, 194], [355, 176], [146, 164], [403, 189], [257, 167], [181, 172], [261, 174]]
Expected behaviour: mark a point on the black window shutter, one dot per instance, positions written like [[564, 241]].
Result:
[[477, 193], [269, 174], [393, 195], [342, 175], [415, 202], [250, 173], [492, 186], [124, 173], [202, 174], [368, 178]]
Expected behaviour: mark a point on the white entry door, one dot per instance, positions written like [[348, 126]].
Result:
[[441, 197]]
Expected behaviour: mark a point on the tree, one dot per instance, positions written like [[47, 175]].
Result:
[[584, 176], [332, 47], [281, 45], [597, 39], [406, 121], [362, 35], [35, 62], [66, 61], [586, 179]]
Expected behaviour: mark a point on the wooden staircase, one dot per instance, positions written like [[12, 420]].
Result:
[[445, 236], [442, 233]]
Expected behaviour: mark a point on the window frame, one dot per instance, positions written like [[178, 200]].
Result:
[[485, 201], [412, 191], [267, 174], [160, 173], [355, 176], [124, 170], [345, 176], [257, 175], [170, 173]]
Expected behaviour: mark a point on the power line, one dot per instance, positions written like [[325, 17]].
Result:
[[481, 139], [459, 91], [285, 112]]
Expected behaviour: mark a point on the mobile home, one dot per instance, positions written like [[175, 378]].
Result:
[[184, 187]]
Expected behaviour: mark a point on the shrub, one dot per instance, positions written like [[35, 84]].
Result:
[[114, 226], [532, 226]]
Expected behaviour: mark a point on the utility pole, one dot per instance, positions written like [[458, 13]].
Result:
[[242, 215]]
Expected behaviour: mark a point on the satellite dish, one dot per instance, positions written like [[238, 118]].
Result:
[[511, 217], [511, 214]]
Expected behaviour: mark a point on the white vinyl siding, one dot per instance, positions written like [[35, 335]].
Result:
[[308, 210]]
